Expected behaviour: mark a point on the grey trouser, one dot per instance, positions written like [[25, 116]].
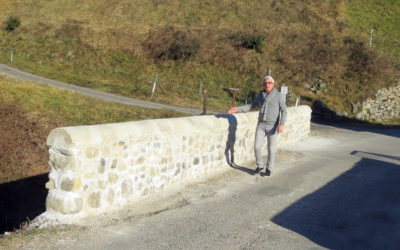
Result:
[[269, 130]]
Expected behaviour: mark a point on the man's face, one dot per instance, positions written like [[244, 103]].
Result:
[[268, 85]]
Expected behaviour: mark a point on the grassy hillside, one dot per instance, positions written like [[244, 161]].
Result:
[[30, 111], [381, 16], [122, 46]]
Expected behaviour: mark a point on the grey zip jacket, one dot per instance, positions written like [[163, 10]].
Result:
[[275, 110]]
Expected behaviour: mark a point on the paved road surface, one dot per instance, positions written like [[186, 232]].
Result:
[[339, 189], [94, 93]]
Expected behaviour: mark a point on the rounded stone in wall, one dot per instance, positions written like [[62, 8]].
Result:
[[114, 163], [126, 188], [101, 169], [62, 161], [110, 196], [177, 171], [191, 141], [71, 184], [112, 178], [102, 184], [91, 152], [89, 175], [121, 166], [164, 160], [205, 159], [102, 165], [140, 160], [139, 186], [73, 206], [49, 185], [94, 200], [64, 205], [102, 162], [153, 172], [149, 180]]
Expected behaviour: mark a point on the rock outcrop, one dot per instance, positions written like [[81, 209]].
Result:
[[385, 106]]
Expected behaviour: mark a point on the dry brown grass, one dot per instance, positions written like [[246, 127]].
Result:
[[23, 151]]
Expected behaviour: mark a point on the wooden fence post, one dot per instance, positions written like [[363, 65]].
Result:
[[200, 90], [204, 102], [234, 96]]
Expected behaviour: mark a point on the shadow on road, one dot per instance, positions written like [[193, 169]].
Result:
[[359, 126], [357, 210], [322, 114], [22, 201], [230, 144]]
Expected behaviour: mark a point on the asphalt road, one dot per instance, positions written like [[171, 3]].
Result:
[[94, 93], [339, 189]]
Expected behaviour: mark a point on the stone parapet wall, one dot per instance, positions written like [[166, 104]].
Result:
[[385, 106], [99, 168]]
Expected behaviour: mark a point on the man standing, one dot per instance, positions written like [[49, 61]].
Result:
[[271, 119]]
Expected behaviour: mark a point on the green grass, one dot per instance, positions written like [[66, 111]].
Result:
[[111, 46], [381, 16], [71, 108]]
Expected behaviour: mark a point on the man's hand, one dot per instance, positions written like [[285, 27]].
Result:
[[232, 110], [280, 128]]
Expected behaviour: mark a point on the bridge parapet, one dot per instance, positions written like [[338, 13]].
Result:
[[99, 168]]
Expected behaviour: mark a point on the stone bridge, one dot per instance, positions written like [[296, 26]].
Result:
[[100, 168]]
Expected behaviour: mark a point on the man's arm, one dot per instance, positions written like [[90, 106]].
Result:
[[246, 108], [283, 110]]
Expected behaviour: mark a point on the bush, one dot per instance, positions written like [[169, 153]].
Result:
[[12, 23], [254, 42], [171, 44], [359, 59]]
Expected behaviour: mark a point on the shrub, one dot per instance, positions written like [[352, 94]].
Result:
[[171, 44], [254, 42], [70, 31], [361, 61], [12, 23]]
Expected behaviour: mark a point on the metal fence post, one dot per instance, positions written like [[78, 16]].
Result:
[[154, 87], [370, 40]]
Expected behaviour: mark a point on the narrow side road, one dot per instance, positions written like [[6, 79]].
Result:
[[94, 93]]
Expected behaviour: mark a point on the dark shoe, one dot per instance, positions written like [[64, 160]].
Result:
[[259, 171], [267, 172]]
